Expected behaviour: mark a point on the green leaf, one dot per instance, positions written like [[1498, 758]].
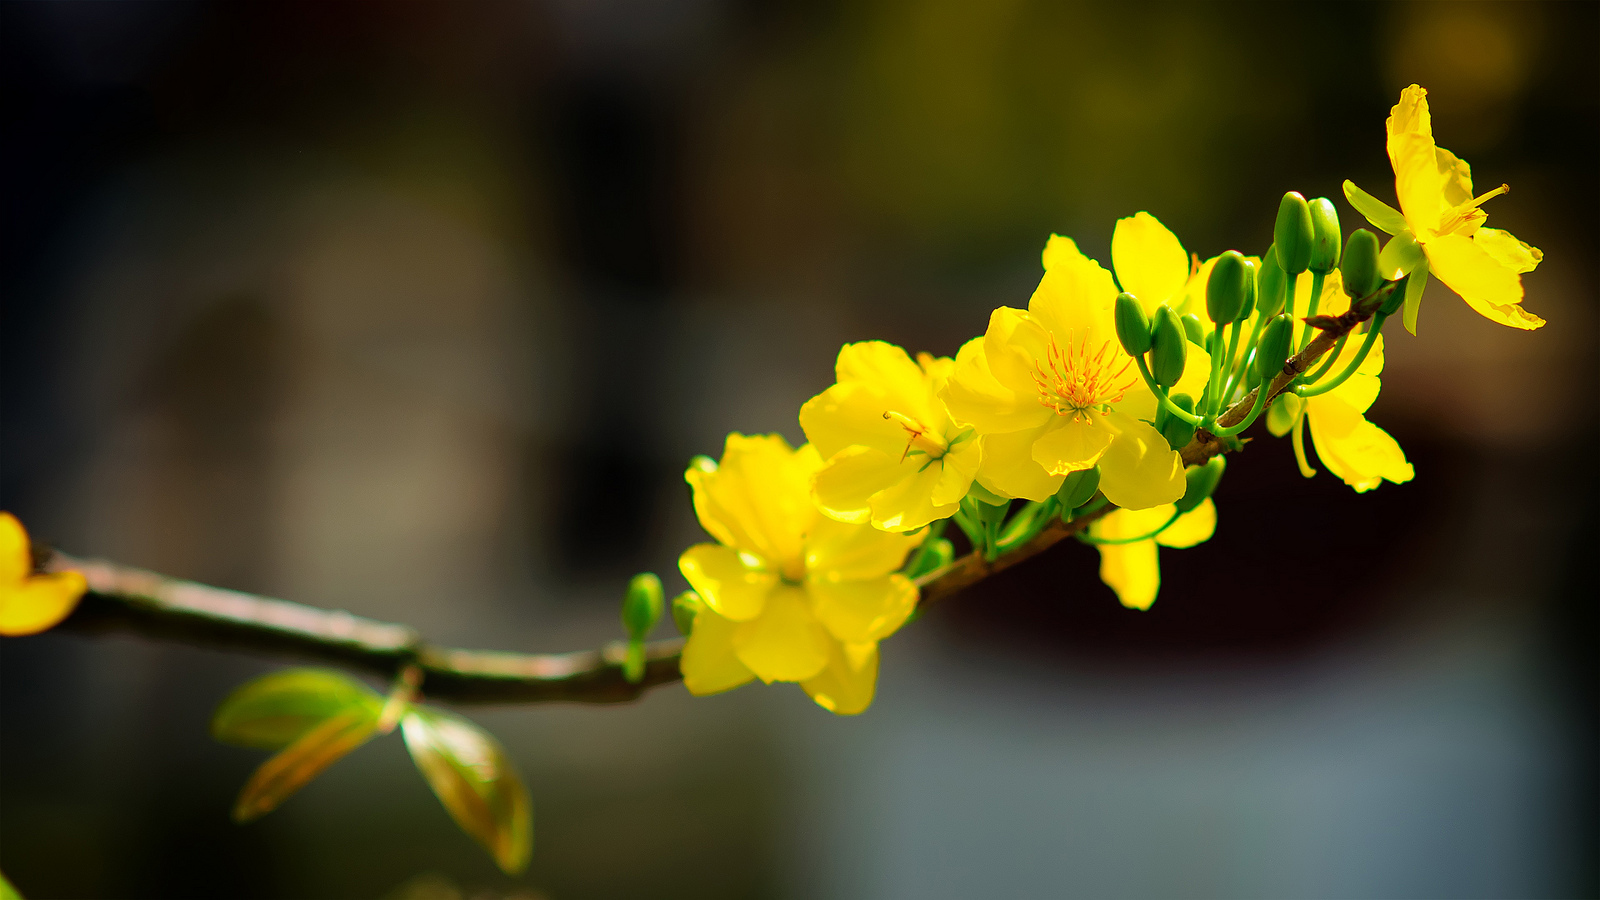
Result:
[[275, 710], [294, 767], [1379, 213], [475, 780]]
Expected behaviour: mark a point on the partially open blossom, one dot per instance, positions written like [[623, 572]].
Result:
[[1133, 569], [893, 456], [31, 603], [790, 594], [1051, 391], [1440, 213]]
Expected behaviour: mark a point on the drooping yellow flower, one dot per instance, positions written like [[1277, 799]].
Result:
[[1133, 569], [31, 603], [1051, 391], [790, 594], [1439, 212], [894, 456]]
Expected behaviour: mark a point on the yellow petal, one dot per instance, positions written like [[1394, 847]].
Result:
[[1013, 345], [733, 585], [39, 603], [1455, 177], [1074, 300], [1139, 470], [1073, 444], [1149, 261], [857, 611], [16, 552], [1489, 286], [1359, 452], [759, 498], [846, 685], [961, 465], [975, 397], [1131, 570], [709, 663], [1059, 249], [1417, 180], [837, 551], [908, 504], [1008, 467], [849, 414], [843, 488], [1194, 291], [1382, 216], [1193, 527], [784, 643], [892, 372], [1518, 256]]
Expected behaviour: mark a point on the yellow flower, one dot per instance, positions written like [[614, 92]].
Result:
[[31, 603], [1483, 265], [1132, 569], [894, 455], [790, 594], [1051, 391], [1150, 263]]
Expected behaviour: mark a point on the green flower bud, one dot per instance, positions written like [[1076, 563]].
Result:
[[1078, 488], [1274, 346], [1225, 288], [940, 553], [1178, 432], [703, 463], [1325, 236], [1292, 234], [1169, 347], [1133, 328], [1202, 480], [685, 607], [1271, 285], [1281, 414], [1193, 329], [1360, 264], [1250, 269], [641, 609]]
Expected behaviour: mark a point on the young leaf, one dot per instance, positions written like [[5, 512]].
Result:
[[294, 766], [475, 780], [275, 710]]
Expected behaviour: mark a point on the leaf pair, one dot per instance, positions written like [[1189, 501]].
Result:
[[314, 718]]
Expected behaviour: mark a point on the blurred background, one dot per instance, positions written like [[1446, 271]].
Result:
[[419, 310]]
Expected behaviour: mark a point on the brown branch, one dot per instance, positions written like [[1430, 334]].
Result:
[[126, 599]]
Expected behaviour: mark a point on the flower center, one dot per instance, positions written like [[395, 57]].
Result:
[[1072, 382], [919, 437], [1468, 212]]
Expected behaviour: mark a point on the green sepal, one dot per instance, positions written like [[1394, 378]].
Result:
[[1169, 347], [685, 607], [1274, 347], [1382, 216], [1193, 330], [1292, 234], [1325, 236], [985, 496], [1078, 487], [1283, 412], [1133, 327], [1225, 288], [1200, 482], [1418, 281], [1271, 284], [1360, 265], [1400, 256], [938, 554], [274, 711], [1391, 304]]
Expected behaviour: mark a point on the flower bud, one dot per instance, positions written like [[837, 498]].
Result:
[[1202, 480], [1193, 329], [1178, 432], [1292, 234], [1133, 328], [1225, 288], [1360, 264], [1274, 346], [685, 607], [1250, 271], [1324, 236], [1271, 285], [1078, 488], [641, 609], [1169, 347]]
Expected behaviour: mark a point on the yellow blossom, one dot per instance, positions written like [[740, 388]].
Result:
[[790, 594], [1150, 263], [1051, 391], [1132, 569], [1440, 214], [31, 603], [894, 456]]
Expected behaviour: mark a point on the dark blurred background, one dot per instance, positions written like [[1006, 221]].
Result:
[[419, 309]]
